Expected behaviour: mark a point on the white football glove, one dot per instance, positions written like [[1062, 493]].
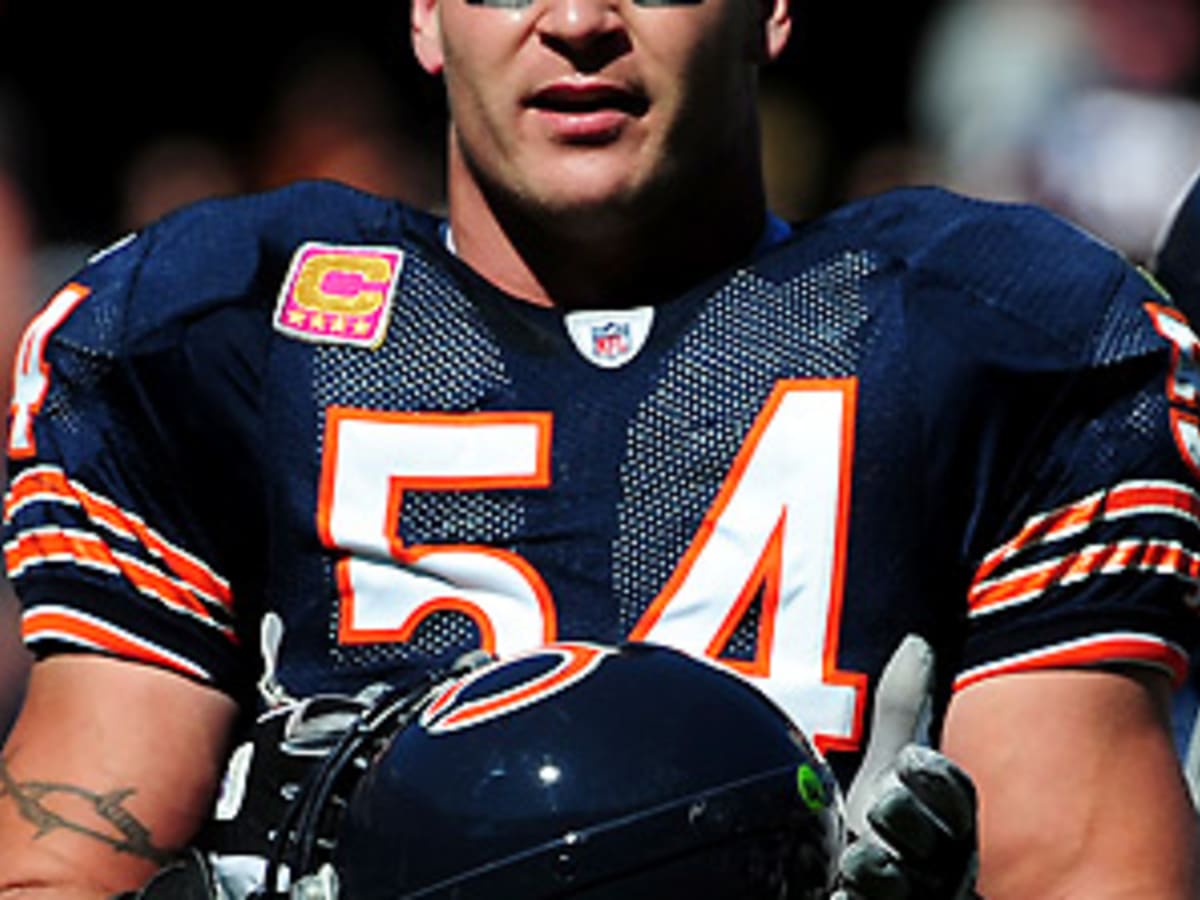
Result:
[[910, 810]]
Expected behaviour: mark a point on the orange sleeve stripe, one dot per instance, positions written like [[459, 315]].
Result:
[[1154, 496], [1128, 556], [1088, 653], [1132, 498], [44, 483], [75, 628], [33, 548], [1047, 527]]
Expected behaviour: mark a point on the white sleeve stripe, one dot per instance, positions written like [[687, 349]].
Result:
[[1023, 585], [1112, 648], [45, 546], [61, 623], [1128, 499], [50, 485]]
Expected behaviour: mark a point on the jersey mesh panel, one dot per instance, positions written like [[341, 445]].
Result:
[[449, 363], [84, 365], [710, 393]]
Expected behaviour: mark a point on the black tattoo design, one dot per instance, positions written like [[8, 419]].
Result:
[[128, 835]]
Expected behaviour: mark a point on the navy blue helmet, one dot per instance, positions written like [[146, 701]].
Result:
[[585, 771]]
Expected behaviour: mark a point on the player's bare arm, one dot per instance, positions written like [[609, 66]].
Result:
[[1080, 791], [93, 797], [103, 817]]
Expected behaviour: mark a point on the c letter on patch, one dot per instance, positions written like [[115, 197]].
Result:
[[339, 294]]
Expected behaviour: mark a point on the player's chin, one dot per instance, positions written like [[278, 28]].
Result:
[[589, 199]]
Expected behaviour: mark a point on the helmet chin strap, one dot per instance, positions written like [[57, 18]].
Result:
[[272, 691], [321, 885], [304, 840]]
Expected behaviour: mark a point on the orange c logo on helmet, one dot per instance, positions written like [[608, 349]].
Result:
[[450, 711]]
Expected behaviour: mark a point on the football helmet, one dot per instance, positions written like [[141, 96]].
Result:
[[576, 770]]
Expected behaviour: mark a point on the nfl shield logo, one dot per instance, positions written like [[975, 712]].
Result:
[[611, 340]]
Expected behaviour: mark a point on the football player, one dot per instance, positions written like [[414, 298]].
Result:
[[608, 398]]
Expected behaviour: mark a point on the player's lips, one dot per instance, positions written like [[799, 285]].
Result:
[[586, 110]]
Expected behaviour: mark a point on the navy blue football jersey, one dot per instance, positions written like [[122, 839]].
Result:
[[919, 414]]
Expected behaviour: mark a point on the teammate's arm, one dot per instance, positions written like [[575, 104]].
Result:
[[1080, 790], [110, 767]]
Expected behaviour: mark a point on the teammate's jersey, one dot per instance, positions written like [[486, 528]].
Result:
[[920, 414]]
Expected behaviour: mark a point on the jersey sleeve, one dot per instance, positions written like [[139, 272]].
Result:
[[120, 426], [1063, 409]]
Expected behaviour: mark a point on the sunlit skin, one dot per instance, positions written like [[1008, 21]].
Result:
[[602, 152], [520, 4]]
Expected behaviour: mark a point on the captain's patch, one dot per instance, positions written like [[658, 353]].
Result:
[[339, 295]]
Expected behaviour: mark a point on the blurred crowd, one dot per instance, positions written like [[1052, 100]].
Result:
[[1089, 107]]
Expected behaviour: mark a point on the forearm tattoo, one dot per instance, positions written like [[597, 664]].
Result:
[[114, 825]]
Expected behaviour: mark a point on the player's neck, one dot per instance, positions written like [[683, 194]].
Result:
[[632, 260]]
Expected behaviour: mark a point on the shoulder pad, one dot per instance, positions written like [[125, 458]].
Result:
[[1021, 262], [230, 251]]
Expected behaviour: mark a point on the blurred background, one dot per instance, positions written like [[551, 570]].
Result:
[[113, 116]]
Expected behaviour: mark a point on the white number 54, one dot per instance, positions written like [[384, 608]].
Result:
[[776, 532]]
